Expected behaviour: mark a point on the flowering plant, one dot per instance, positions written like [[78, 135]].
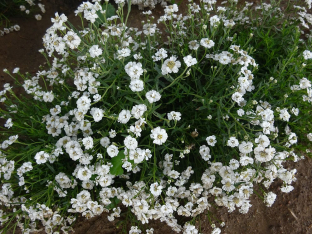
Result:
[[164, 128], [14, 8]]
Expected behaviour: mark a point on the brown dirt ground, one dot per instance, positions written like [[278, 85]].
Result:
[[291, 213]]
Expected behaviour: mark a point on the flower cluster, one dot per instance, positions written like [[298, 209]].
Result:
[[23, 8], [127, 124]]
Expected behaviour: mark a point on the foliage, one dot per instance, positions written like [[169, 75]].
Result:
[[163, 127]]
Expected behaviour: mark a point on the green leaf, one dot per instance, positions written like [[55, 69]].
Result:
[[169, 78], [51, 168], [201, 108], [218, 118], [116, 169], [114, 203], [154, 108], [93, 177], [133, 100], [161, 116], [110, 11]]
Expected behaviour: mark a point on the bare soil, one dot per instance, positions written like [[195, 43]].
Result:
[[291, 213]]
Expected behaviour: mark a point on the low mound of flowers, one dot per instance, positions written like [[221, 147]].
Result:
[[160, 123]]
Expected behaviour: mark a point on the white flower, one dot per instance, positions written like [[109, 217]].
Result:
[[58, 20], [171, 9], [16, 70], [193, 45], [127, 165], [228, 184], [174, 174], [112, 151], [245, 160], [159, 135], [13, 138], [83, 197], [75, 153], [292, 138], [211, 140], [5, 144], [112, 133], [174, 116], [97, 114], [309, 136], [105, 142], [137, 56], [229, 23], [88, 142], [160, 54], [284, 115], [138, 110], [307, 54], [156, 189], [136, 85], [83, 103], [287, 188], [305, 83], [84, 173], [189, 228], [224, 58], [134, 70], [216, 231], [263, 140], [152, 96], [136, 129], [204, 151], [137, 155], [90, 15], [232, 142], [245, 147], [233, 164], [295, 111], [237, 97], [97, 97], [114, 31], [123, 53], [8, 123], [72, 39], [214, 21], [48, 96], [41, 157], [240, 112], [124, 116], [56, 110], [16, 27], [38, 17], [95, 51], [205, 42], [131, 143], [244, 82], [135, 230], [269, 198], [189, 60], [264, 154], [170, 65], [309, 3]]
